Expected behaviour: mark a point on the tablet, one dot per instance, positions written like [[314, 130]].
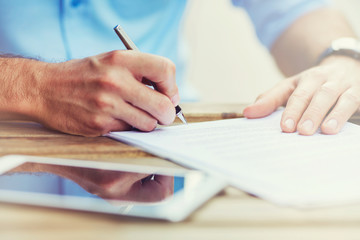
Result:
[[128, 190]]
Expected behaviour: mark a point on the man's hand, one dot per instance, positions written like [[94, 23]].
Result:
[[326, 96], [98, 94]]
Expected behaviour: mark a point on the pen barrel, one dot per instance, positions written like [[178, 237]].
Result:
[[129, 44]]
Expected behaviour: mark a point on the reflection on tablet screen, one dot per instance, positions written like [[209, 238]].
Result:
[[113, 185]]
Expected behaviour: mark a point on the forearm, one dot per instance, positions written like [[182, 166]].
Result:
[[18, 86], [299, 47]]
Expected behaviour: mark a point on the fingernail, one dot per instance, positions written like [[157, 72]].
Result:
[[332, 124], [175, 99], [289, 124], [307, 126]]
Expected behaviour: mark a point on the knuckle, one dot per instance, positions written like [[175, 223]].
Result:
[[110, 58], [301, 95], [315, 111], [329, 89], [108, 80], [102, 102], [96, 123], [113, 57], [168, 67], [352, 97], [93, 62]]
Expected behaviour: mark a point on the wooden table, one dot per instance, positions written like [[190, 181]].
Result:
[[231, 215]]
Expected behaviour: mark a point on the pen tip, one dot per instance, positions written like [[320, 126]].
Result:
[[182, 118]]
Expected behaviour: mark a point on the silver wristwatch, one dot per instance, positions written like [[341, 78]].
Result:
[[343, 46]]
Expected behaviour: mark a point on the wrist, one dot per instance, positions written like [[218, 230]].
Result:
[[341, 66], [340, 60]]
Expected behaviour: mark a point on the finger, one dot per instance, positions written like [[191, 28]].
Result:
[[134, 116], [100, 125], [298, 102], [152, 102], [321, 103], [345, 107], [117, 125], [270, 100], [112, 111], [159, 70]]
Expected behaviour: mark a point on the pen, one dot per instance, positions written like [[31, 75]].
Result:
[[130, 45]]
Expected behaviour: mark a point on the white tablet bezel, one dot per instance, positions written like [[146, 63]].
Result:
[[175, 209]]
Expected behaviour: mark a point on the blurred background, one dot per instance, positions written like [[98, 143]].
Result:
[[227, 62]]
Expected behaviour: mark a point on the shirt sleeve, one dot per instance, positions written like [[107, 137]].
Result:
[[272, 17]]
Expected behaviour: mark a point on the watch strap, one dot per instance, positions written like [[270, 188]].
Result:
[[346, 51]]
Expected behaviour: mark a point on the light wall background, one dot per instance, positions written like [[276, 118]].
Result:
[[227, 62]]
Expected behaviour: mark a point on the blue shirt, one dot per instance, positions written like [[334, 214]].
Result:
[[64, 29], [272, 17]]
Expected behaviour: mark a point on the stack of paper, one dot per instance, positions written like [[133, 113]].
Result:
[[255, 156]]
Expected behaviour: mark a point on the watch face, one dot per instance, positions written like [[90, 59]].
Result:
[[346, 44]]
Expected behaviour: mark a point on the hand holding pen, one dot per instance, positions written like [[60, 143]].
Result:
[[102, 93], [131, 46]]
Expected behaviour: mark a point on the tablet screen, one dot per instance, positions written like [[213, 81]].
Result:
[[113, 185], [100, 187]]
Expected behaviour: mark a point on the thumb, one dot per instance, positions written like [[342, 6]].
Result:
[[269, 101]]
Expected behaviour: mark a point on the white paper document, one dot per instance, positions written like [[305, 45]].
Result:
[[255, 156]]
